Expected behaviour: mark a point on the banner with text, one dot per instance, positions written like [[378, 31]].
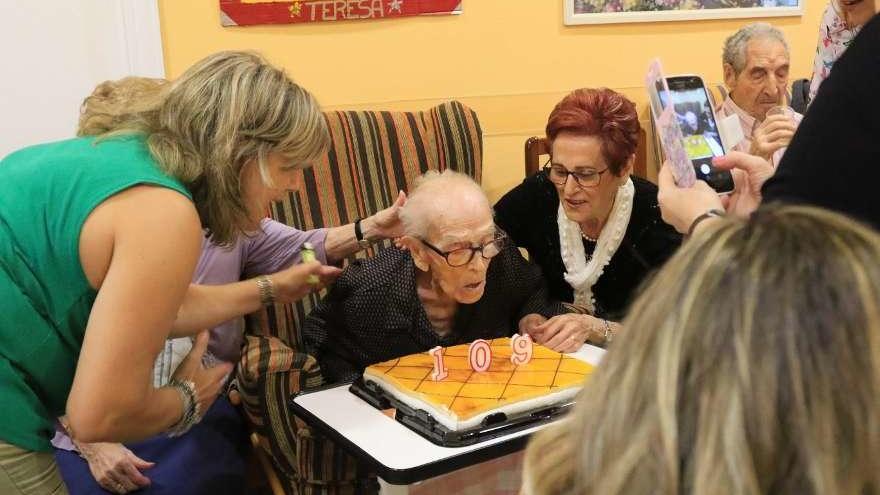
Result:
[[251, 12]]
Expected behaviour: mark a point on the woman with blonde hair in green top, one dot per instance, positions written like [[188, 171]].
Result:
[[98, 241], [751, 365]]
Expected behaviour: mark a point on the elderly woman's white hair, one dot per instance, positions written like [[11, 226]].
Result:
[[735, 46], [436, 193]]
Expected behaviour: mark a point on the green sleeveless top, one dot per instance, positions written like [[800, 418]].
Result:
[[46, 193]]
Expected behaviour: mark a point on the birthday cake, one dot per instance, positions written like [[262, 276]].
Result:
[[466, 393]]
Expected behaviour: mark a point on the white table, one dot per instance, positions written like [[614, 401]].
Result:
[[400, 455]]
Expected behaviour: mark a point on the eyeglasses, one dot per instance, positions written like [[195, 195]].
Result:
[[559, 175], [463, 256]]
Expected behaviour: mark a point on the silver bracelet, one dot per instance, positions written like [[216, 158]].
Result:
[[609, 335], [267, 290], [191, 407]]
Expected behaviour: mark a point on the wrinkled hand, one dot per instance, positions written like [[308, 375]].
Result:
[[680, 206], [292, 284], [528, 323], [208, 382], [568, 332], [773, 134], [386, 224], [115, 467]]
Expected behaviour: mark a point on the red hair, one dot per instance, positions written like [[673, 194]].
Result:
[[602, 113]]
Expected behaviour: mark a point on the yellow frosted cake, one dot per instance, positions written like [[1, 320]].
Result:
[[465, 397]]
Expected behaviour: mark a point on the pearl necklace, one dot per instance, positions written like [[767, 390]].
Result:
[[588, 238], [582, 273]]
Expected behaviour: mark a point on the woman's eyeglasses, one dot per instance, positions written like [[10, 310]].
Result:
[[559, 175], [463, 256]]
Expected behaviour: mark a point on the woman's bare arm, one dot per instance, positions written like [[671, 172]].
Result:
[[154, 240]]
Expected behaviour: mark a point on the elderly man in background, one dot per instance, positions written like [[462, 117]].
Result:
[[756, 64]]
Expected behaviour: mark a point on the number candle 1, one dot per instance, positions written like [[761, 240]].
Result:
[[440, 372]]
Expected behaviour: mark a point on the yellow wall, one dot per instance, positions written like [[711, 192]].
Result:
[[509, 60]]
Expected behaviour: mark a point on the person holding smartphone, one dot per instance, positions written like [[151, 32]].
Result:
[[756, 65], [832, 160], [594, 230]]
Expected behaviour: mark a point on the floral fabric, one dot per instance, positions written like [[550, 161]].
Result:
[[834, 38]]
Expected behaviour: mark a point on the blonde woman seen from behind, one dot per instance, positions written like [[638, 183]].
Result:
[[750, 366]]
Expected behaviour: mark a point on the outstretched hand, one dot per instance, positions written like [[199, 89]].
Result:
[[567, 332], [386, 224], [292, 284]]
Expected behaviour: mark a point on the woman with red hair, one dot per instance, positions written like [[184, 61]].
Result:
[[595, 231]]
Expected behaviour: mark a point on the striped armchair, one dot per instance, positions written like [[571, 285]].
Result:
[[372, 156]]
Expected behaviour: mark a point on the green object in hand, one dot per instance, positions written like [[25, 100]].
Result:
[[308, 254]]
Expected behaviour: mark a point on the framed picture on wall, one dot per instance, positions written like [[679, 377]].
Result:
[[618, 11]]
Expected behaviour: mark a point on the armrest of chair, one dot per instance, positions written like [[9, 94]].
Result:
[[269, 373]]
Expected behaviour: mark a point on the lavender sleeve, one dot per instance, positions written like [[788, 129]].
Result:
[[278, 246]]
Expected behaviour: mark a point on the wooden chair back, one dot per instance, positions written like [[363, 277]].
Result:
[[537, 146]]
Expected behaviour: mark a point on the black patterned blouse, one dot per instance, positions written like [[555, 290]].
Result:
[[373, 313], [528, 214]]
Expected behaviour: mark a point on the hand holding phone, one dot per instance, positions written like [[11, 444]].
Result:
[[686, 99], [668, 130]]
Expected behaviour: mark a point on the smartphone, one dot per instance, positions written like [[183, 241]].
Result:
[[693, 110], [666, 126]]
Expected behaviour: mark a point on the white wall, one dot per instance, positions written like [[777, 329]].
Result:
[[54, 52]]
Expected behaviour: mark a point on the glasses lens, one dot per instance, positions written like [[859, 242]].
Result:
[[459, 257], [492, 249], [588, 179], [557, 175]]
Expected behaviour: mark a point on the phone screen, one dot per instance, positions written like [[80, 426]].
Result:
[[702, 140]]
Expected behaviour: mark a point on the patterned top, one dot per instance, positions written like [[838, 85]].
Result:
[[373, 313], [834, 38]]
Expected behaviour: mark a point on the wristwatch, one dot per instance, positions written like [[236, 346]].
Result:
[[359, 235]]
